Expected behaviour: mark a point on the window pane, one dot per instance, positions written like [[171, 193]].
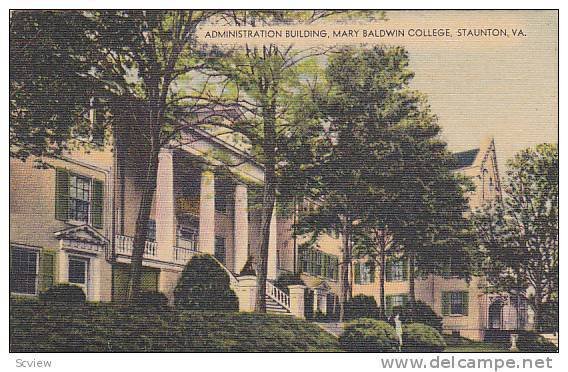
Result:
[[79, 198], [23, 270], [77, 271]]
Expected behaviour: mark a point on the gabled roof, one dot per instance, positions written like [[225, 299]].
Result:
[[465, 159], [82, 233]]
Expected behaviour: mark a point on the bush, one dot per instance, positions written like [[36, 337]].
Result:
[[535, 343], [369, 335], [286, 279], [63, 294], [419, 338], [549, 317], [151, 299], [420, 313], [362, 306], [105, 327], [204, 285]]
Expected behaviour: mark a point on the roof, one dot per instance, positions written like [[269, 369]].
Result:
[[465, 159]]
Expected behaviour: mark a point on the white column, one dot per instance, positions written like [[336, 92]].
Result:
[[62, 266], [272, 247], [240, 227], [165, 209], [297, 300], [207, 213]]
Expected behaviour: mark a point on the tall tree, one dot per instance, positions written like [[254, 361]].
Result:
[[129, 60], [383, 170], [519, 237], [265, 82]]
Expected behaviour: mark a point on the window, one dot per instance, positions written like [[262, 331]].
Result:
[[220, 249], [79, 198], [396, 270], [455, 303], [317, 263], [364, 272], [24, 270], [78, 272], [394, 301]]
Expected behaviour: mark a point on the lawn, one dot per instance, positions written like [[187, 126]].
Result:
[[464, 345], [36, 327]]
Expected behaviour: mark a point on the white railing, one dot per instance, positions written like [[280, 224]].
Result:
[[124, 246], [182, 255], [278, 295]]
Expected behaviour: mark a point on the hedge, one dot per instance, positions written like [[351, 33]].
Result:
[[420, 338], [369, 335]]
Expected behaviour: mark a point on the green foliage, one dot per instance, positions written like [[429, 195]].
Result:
[[518, 238], [420, 338], [116, 328], [63, 294], [549, 317], [370, 336], [419, 313], [147, 299], [531, 342], [49, 89], [361, 306], [204, 285]]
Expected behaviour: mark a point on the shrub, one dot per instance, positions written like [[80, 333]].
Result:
[[286, 279], [369, 335], [63, 294], [151, 299], [419, 338], [549, 317], [361, 306], [535, 343], [204, 285], [420, 313]]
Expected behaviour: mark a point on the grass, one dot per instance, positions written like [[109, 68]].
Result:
[[464, 345], [36, 327]]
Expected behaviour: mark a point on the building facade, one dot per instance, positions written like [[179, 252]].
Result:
[[73, 221]]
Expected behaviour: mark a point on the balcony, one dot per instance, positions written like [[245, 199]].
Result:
[[186, 245], [124, 246]]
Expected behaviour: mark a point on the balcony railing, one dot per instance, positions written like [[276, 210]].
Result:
[[124, 246], [182, 255]]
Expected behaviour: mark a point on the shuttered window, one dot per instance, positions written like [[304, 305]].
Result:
[[394, 301], [317, 263], [78, 198], [364, 272]]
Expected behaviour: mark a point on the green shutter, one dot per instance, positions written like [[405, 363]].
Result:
[[405, 269], [372, 271], [149, 280], [404, 300], [357, 273], [388, 304], [335, 268], [445, 303], [61, 194], [46, 270], [97, 204], [388, 271], [325, 263], [465, 302]]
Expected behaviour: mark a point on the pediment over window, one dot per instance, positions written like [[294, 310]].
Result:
[[81, 237]]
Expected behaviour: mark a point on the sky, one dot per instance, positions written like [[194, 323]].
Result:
[[503, 89]]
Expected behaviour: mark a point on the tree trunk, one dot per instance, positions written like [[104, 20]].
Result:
[[140, 235], [383, 265], [268, 201], [344, 272], [411, 280], [537, 309]]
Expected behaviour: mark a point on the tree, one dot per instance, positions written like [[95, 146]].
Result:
[[265, 83], [130, 61], [382, 176], [519, 237], [50, 91]]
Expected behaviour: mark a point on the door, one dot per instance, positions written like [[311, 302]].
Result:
[[496, 315], [79, 273]]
